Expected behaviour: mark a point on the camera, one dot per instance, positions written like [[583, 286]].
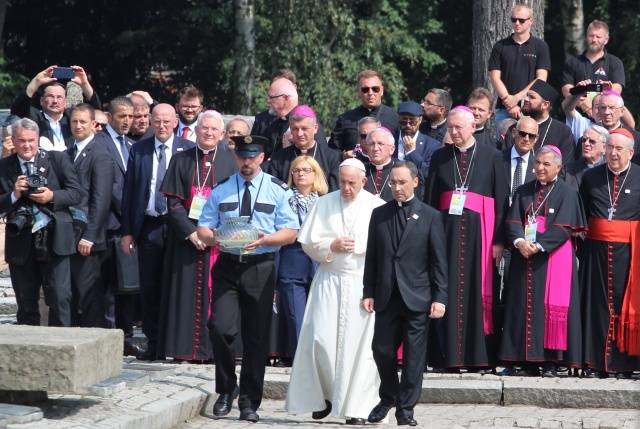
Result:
[[592, 87], [34, 181], [20, 219]]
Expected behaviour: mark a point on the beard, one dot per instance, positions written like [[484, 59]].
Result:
[[595, 48], [247, 171], [533, 113]]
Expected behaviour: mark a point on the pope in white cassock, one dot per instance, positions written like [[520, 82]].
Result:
[[334, 371]]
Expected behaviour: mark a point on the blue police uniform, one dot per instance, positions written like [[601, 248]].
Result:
[[245, 282]]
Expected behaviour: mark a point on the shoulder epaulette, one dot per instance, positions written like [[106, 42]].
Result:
[[280, 183]]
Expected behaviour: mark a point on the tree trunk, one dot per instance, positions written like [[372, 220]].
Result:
[[3, 14], [245, 44], [573, 23]]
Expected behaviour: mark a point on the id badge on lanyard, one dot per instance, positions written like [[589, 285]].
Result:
[[196, 206], [530, 229], [457, 202]]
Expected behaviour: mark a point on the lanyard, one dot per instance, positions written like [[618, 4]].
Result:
[[199, 187]]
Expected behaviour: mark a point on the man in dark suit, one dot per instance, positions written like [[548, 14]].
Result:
[[413, 145], [119, 307], [304, 125], [405, 283], [145, 220], [36, 190], [519, 159], [53, 119], [592, 154], [94, 167], [370, 90]]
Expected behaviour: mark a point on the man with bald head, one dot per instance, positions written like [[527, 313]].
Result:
[[145, 220], [609, 285], [518, 160], [282, 98], [334, 372], [466, 182]]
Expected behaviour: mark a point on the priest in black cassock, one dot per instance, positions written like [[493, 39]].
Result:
[[543, 299], [537, 104], [380, 146], [466, 182], [610, 264], [303, 124], [187, 289]]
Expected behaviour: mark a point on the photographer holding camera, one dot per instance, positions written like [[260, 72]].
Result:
[[36, 190]]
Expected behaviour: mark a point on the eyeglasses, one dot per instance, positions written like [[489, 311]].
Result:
[[363, 136], [101, 125], [524, 134], [611, 109], [616, 149], [302, 170], [520, 20], [192, 107], [585, 139], [429, 104], [54, 97], [271, 97], [411, 121], [365, 89], [457, 128], [211, 130], [393, 183]]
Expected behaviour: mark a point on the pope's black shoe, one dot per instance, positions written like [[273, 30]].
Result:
[[379, 412], [355, 421], [319, 415], [223, 404], [249, 415]]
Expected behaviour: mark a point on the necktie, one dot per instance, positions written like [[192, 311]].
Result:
[[124, 149], [160, 201], [28, 168], [73, 152], [245, 210], [517, 176], [185, 132]]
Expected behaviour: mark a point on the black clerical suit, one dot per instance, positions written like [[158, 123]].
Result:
[[405, 271], [378, 181], [344, 136], [94, 167], [28, 272]]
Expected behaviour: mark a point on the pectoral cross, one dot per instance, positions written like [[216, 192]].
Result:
[[611, 211], [462, 189]]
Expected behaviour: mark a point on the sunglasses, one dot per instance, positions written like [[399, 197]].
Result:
[[411, 121], [524, 134], [365, 89], [586, 139], [520, 20], [98, 124], [362, 136]]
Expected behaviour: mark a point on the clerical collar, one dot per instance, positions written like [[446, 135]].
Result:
[[381, 166], [435, 127], [479, 130], [544, 120], [617, 173], [307, 151], [466, 149], [547, 183], [406, 202], [205, 151]]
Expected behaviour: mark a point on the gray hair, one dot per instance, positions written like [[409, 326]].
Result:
[[443, 98], [210, 114], [296, 118], [504, 126], [369, 120], [557, 159], [602, 132], [392, 140], [619, 100], [629, 142], [24, 123], [464, 113]]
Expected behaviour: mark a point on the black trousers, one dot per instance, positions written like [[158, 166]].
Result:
[[394, 325], [88, 290], [249, 287], [54, 276], [118, 307], [151, 249]]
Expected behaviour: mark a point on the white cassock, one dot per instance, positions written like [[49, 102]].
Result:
[[334, 360]]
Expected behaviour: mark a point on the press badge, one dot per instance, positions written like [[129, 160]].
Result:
[[530, 231], [457, 203], [38, 223], [196, 206]]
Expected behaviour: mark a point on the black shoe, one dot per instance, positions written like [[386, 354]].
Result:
[[131, 348], [594, 373], [549, 370], [249, 415], [223, 404], [356, 421], [405, 420], [319, 415], [149, 354], [624, 375], [379, 412]]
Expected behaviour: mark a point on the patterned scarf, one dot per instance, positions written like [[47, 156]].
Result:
[[302, 203]]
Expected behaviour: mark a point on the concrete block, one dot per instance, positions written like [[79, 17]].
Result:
[[36, 358], [571, 393], [448, 391], [8, 305], [19, 414], [504, 421], [611, 424], [631, 424], [154, 371], [275, 386], [550, 424], [527, 422], [590, 423]]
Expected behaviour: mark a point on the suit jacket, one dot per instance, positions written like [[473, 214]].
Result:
[[529, 174], [137, 182], [276, 129], [416, 265], [328, 159], [345, 133], [23, 107], [114, 218], [94, 167], [62, 180], [421, 155], [572, 173]]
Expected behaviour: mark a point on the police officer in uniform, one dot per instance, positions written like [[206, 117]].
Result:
[[245, 279]]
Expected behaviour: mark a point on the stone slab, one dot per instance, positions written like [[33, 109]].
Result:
[[63, 360], [572, 393], [8, 305], [155, 371], [447, 391], [19, 414]]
